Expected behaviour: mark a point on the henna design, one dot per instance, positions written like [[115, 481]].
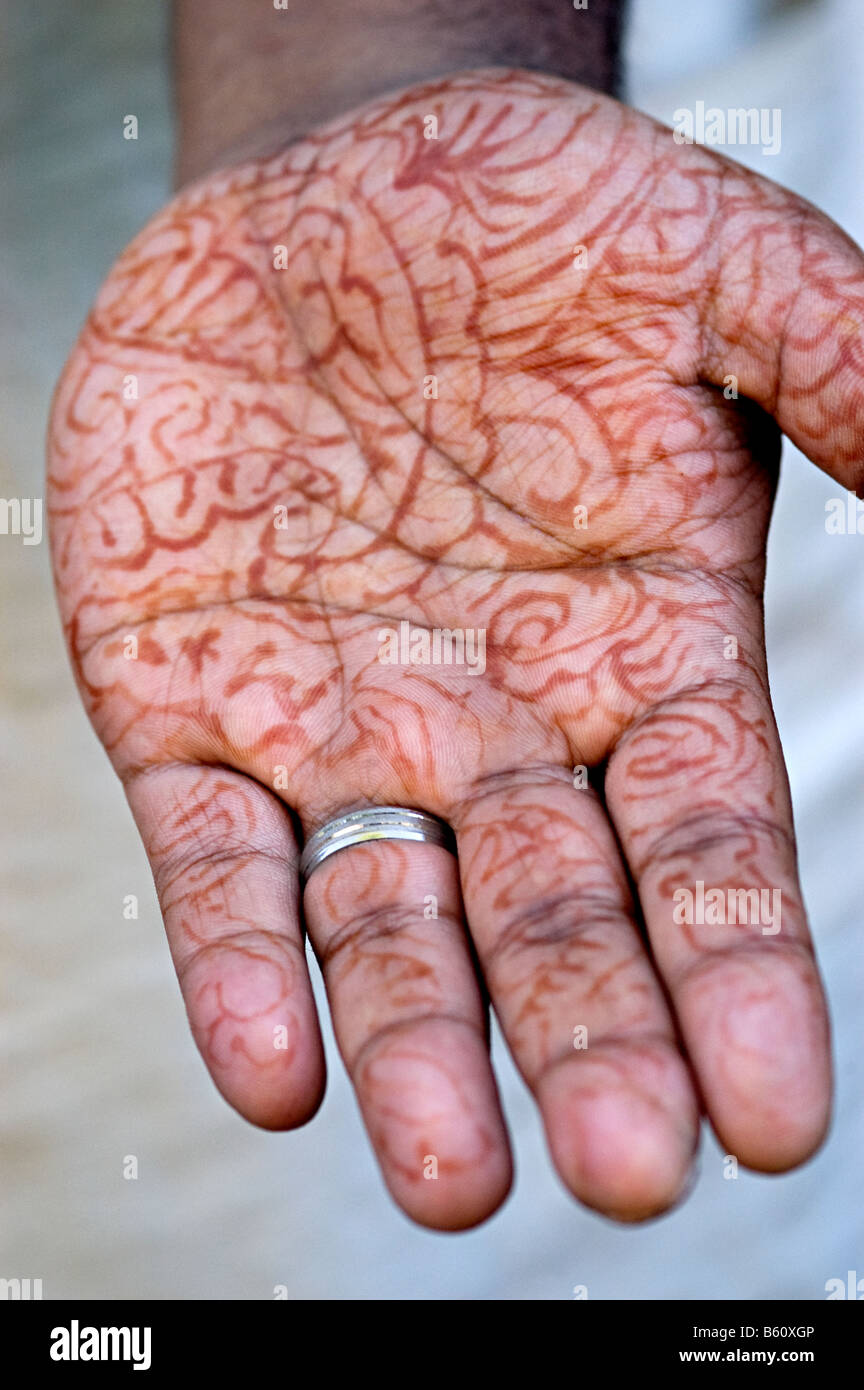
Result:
[[370, 385]]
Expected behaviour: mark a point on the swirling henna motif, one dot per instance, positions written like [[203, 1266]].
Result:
[[365, 381]]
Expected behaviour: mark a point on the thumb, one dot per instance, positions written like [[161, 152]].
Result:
[[786, 318]]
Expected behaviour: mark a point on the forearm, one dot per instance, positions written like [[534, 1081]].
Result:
[[249, 76]]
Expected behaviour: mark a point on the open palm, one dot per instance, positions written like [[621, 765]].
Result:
[[494, 358]]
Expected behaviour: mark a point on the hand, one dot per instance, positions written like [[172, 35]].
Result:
[[372, 380]]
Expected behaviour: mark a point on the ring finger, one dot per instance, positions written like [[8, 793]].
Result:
[[386, 922]]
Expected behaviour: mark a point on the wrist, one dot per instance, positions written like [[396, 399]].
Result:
[[249, 79]]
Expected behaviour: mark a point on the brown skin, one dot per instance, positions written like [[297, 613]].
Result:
[[249, 77], [257, 695]]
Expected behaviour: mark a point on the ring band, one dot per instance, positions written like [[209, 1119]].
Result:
[[373, 823]]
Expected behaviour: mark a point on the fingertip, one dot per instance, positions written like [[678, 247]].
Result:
[[779, 1152], [253, 1019], [432, 1111], [621, 1146], [775, 1147], [284, 1103], [758, 1035], [460, 1204]]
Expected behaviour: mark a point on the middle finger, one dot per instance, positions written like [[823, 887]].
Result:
[[583, 1012]]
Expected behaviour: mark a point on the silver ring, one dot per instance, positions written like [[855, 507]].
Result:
[[372, 823]]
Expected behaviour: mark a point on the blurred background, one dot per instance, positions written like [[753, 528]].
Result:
[[97, 1062]]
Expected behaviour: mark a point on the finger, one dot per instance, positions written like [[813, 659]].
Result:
[[551, 917], [786, 318], [386, 922], [697, 790], [224, 860]]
